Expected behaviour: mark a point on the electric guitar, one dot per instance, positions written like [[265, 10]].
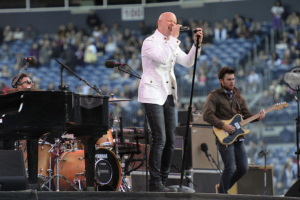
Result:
[[237, 121]]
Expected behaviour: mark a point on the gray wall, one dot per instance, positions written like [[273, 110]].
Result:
[[49, 21]]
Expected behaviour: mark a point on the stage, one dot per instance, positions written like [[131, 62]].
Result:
[[43, 195]]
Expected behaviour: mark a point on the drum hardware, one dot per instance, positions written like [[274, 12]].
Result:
[[77, 181], [80, 174], [124, 186], [57, 175]]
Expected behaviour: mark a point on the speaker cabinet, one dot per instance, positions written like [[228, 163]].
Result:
[[176, 159], [253, 182], [294, 191], [195, 156], [205, 180], [12, 170]]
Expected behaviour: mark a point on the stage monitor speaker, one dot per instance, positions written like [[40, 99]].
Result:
[[294, 191], [195, 156], [205, 180], [12, 170], [253, 182]]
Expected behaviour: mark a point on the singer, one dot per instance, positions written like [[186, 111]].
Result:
[[223, 104], [158, 93]]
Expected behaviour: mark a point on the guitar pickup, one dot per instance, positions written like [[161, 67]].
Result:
[[237, 125]]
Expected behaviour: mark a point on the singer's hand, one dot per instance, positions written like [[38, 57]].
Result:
[[200, 33], [176, 30]]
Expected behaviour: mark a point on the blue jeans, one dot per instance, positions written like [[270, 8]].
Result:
[[161, 120], [235, 164]]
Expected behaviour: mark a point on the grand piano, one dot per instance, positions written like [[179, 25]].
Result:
[[30, 114]]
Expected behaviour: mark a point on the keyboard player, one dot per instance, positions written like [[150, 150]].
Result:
[[22, 83]]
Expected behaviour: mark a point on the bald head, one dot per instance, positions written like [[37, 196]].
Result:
[[166, 14], [165, 23]]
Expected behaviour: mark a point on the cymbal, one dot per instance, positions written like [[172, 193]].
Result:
[[117, 100], [22, 89]]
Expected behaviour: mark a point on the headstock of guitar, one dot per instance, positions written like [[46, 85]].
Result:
[[279, 106]]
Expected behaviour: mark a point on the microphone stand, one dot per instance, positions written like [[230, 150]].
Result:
[[16, 80], [188, 125], [213, 160], [264, 153], [63, 87], [186, 177], [146, 130], [125, 71]]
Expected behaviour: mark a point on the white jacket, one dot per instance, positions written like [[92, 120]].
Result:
[[158, 60]]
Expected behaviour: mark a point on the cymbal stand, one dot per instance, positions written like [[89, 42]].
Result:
[[57, 175], [115, 125], [124, 185]]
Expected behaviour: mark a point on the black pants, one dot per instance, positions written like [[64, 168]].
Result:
[[161, 120]]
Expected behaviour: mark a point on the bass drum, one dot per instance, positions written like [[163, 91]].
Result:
[[71, 166], [107, 170]]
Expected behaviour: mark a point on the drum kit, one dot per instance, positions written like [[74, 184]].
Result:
[[61, 166]]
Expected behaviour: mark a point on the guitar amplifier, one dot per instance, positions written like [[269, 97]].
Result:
[[196, 118], [195, 156], [253, 181]]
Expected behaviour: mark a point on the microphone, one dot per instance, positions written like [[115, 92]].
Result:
[[195, 31], [184, 28], [112, 64], [261, 153], [204, 148], [31, 60]]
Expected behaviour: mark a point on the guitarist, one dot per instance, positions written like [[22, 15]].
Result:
[[223, 104]]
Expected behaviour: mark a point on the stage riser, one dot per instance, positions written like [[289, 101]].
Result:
[[32, 195], [204, 180]]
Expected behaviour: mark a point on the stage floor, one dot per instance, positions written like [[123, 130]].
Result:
[[33, 195]]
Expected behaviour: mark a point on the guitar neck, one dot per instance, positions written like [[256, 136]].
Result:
[[254, 117]]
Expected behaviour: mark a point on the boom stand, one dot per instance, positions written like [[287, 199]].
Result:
[[64, 87], [180, 188], [146, 132]]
